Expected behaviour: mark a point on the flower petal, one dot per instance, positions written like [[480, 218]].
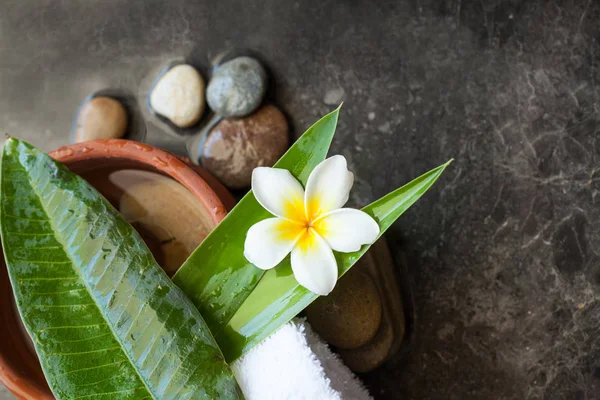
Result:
[[328, 187], [347, 229], [313, 264], [270, 240], [279, 192]]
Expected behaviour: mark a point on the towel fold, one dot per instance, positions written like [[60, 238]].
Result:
[[295, 364]]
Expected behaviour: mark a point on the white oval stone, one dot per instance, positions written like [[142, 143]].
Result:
[[179, 95]]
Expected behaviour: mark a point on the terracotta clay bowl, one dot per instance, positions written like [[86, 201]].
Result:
[[20, 370]]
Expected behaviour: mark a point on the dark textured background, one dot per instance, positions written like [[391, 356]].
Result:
[[504, 253]]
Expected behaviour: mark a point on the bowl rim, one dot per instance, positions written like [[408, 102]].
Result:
[[174, 166], [215, 198]]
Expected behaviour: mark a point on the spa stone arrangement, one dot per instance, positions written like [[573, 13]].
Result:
[[225, 267], [364, 317], [243, 133]]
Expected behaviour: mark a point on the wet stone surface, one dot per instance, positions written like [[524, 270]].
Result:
[[179, 95], [237, 87], [503, 252], [235, 146], [350, 316]]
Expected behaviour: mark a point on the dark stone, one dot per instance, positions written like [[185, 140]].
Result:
[[350, 316], [234, 147]]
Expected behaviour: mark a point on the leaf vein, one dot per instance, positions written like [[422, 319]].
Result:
[[155, 340], [29, 233], [35, 247], [181, 361], [167, 347], [49, 293], [26, 219], [128, 301], [45, 262], [83, 340], [84, 352], [68, 327], [94, 367], [110, 260], [58, 278], [62, 305]]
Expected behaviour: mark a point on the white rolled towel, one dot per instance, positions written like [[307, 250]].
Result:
[[295, 364]]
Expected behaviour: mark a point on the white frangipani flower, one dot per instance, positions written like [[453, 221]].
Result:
[[309, 224]]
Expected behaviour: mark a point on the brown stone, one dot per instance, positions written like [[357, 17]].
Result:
[[234, 147], [374, 353], [101, 118], [377, 262], [350, 316]]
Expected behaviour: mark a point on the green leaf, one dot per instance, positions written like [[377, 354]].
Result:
[[105, 320], [217, 277], [278, 297]]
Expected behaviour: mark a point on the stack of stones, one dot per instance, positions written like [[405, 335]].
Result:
[[248, 136], [249, 133], [363, 318]]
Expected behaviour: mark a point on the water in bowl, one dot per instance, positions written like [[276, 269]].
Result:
[[170, 219]]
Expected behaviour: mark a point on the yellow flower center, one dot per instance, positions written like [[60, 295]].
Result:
[[299, 225]]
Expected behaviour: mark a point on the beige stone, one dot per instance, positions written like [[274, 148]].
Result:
[[101, 118], [179, 95]]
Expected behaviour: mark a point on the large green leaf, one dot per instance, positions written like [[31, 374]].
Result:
[[278, 297], [105, 320], [217, 276]]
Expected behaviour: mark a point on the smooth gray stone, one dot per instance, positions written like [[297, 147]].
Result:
[[237, 87]]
